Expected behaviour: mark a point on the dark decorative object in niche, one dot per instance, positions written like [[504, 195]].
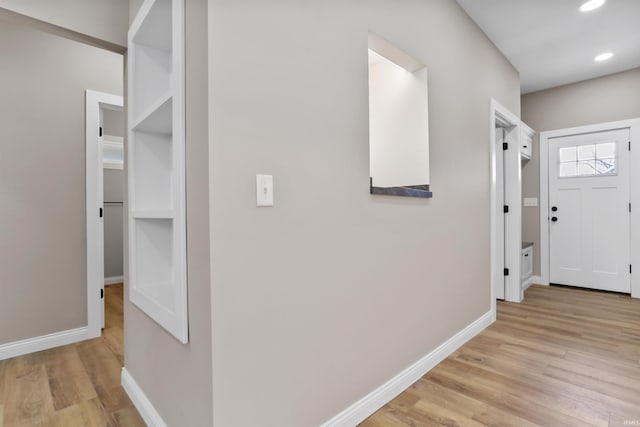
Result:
[[407, 191]]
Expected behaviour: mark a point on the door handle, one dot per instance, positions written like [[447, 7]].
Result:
[[554, 218], [554, 209]]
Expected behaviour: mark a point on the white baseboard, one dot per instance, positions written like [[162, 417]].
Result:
[[113, 280], [44, 342], [141, 401], [537, 280], [375, 400], [533, 280]]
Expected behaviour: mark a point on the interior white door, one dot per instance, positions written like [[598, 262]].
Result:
[[589, 210], [499, 285]]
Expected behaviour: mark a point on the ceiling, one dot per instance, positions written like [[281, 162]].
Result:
[[552, 43]]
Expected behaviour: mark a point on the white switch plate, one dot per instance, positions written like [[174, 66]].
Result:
[[531, 201], [264, 190]]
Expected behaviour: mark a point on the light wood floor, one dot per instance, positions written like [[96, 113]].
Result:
[[72, 386], [563, 357]]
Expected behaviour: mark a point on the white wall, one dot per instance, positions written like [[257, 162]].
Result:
[[325, 296], [398, 125]]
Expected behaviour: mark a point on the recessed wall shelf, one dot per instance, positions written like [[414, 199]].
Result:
[[156, 165], [154, 214], [157, 117]]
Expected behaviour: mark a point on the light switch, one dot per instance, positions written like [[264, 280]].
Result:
[[531, 201], [264, 190]]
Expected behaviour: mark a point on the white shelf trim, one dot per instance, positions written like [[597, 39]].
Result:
[[154, 214], [156, 157], [152, 109]]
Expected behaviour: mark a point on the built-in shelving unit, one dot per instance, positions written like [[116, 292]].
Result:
[[526, 141], [156, 165]]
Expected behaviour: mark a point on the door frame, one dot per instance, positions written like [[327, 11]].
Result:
[[513, 194], [634, 191], [94, 102]]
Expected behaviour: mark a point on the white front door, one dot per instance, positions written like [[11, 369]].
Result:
[[589, 210]]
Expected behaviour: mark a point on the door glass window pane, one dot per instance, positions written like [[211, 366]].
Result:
[[586, 152], [588, 160], [568, 169], [586, 167], [606, 166], [606, 150], [568, 154]]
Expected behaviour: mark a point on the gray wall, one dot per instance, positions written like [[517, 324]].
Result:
[[42, 177], [605, 99], [113, 122], [103, 19], [113, 222], [177, 377], [330, 293], [134, 6]]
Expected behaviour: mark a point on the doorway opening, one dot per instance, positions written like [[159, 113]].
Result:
[[105, 201], [505, 205]]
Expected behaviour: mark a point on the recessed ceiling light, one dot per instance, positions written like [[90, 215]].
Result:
[[603, 56], [591, 5]]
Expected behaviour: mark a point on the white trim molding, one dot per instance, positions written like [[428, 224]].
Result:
[[375, 400], [532, 280], [43, 342], [634, 165], [513, 198], [140, 400], [113, 280], [94, 102]]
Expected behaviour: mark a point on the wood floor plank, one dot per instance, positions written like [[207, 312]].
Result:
[[128, 417], [563, 357], [471, 408], [113, 333], [385, 418], [503, 362], [102, 366], [77, 385], [3, 381], [113, 399], [29, 400], [518, 380], [508, 394], [89, 413], [69, 382]]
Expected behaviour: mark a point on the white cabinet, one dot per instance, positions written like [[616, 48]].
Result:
[[526, 141], [156, 165], [526, 262]]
